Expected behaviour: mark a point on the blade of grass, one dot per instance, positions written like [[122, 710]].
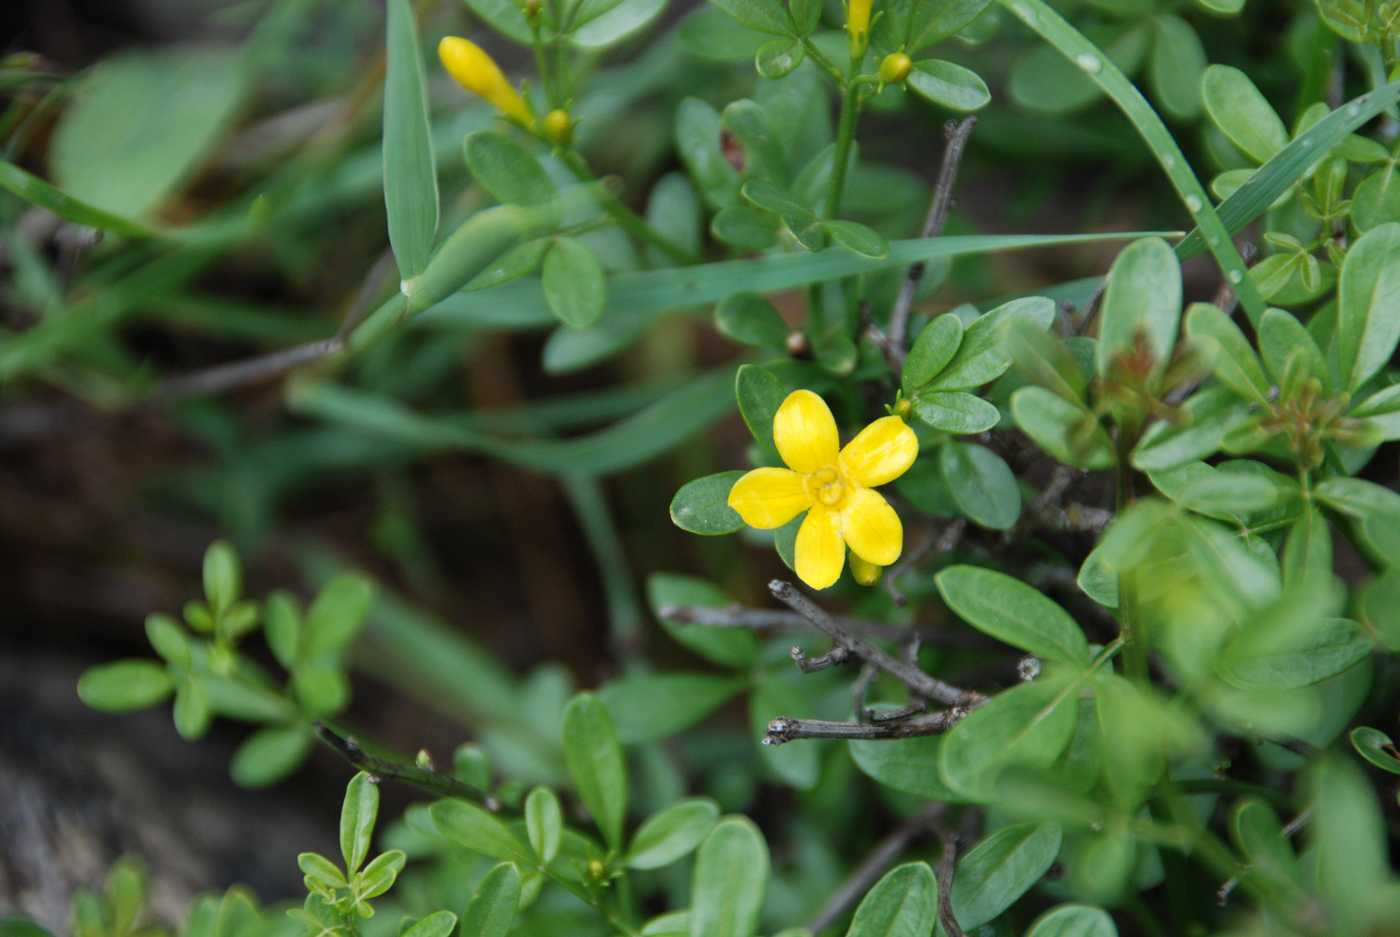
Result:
[[1072, 44]]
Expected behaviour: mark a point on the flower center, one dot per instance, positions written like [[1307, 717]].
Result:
[[827, 486]]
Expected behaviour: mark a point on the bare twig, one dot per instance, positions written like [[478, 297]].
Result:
[[788, 729], [428, 779], [946, 867], [918, 682], [897, 336], [873, 866]]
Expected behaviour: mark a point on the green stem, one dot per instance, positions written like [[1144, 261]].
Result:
[[627, 219], [845, 135]]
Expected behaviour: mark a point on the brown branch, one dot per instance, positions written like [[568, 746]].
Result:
[[786, 729], [428, 779], [873, 866], [918, 682], [896, 338]]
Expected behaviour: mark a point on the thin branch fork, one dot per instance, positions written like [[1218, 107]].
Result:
[[919, 683], [895, 340]]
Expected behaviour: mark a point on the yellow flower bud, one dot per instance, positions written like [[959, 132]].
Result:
[[895, 68], [476, 71], [858, 25], [558, 126]]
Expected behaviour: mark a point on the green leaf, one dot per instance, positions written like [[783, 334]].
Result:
[[544, 822], [593, 756], [1176, 67], [1141, 305], [730, 877], [1368, 305], [671, 834], [437, 924], [379, 876], [982, 356], [760, 393], [472, 827], [858, 238], [1000, 869], [337, 614], [1068, 432], [728, 647], [981, 484], [1027, 726], [1073, 920], [410, 174], [269, 755], [936, 345], [223, 577], [903, 903], [744, 228], [140, 123], [282, 625], [949, 85], [357, 815], [908, 765], [750, 319], [1242, 113], [574, 284], [956, 412], [777, 58], [124, 685], [1376, 747], [648, 707], [168, 639], [766, 16], [492, 910], [506, 169], [702, 506], [320, 869], [1013, 612]]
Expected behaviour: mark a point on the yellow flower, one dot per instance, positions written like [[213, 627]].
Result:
[[833, 486], [476, 71], [858, 25]]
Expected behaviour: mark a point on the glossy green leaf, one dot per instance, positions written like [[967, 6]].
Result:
[[934, 348], [903, 903], [593, 756], [652, 706], [702, 506], [1011, 611], [982, 484], [410, 174], [1368, 316], [672, 834], [492, 910], [996, 872], [949, 85], [956, 412], [730, 878], [125, 685], [1236, 106], [573, 283], [116, 150]]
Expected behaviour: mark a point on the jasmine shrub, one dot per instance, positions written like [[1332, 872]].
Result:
[[1041, 607]]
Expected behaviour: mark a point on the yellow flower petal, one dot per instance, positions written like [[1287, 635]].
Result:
[[882, 452], [819, 551], [769, 497], [805, 432], [867, 574], [872, 528], [476, 71]]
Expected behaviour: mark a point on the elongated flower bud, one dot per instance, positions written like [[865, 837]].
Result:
[[476, 71], [858, 25]]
